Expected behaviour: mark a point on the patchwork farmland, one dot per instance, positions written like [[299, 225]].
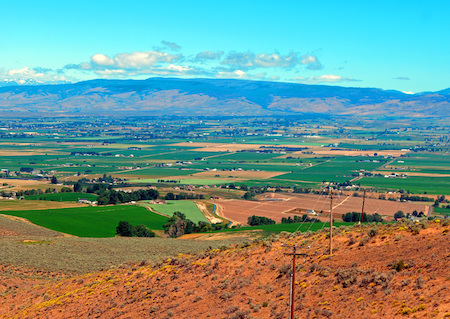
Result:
[[278, 206]]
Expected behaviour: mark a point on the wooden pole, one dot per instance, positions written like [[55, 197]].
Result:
[[293, 283], [292, 290], [362, 210], [331, 221]]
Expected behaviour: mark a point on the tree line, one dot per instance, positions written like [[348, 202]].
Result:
[[356, 217], [178, 225]]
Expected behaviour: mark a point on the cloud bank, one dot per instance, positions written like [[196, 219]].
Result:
[[169, 60]]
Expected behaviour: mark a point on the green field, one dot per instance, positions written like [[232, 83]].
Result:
[[183, 181], [92, 221], [160, 171], [277, 228], [413, 184], [184, 206], [442, 211], [63, 197]]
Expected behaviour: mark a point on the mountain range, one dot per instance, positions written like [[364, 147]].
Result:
[[216, 97]]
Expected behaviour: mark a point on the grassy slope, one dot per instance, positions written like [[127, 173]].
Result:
[[185, 206]]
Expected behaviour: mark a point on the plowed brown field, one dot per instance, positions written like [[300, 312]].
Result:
[[239, 210]]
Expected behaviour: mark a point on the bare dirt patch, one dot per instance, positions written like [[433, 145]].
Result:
[[27, 153], [6, 205], [211, 218], [240, 210], [219, 147], [19, 182]]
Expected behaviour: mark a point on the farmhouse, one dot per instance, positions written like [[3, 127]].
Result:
[[84, 201]]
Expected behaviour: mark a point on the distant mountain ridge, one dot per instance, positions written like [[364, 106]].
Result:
[[216, 97]]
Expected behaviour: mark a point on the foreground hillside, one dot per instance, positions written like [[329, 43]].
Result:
[[385, 271]]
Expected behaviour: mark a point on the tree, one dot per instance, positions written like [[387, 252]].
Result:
[[248, 195], [399, 215], [54, 180], [170, 196], [124, 229], [142, 231], [77, 188], [176, 225], [259, 220]]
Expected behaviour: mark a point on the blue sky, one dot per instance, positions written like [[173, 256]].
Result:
[[401, 45]]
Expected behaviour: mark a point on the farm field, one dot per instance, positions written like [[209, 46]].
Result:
[[62, 197], [186, 207], [184, 181], [239, 210], [91, 221], [442, 211], [291, 228], [254, 152], [413, 184], [6, 205]]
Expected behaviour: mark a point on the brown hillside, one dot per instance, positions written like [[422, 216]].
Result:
[[401, 271]]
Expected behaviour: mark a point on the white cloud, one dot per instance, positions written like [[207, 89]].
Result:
[[250, 60], [179, 68], [142, 59], [101, 59], [328, 78], [311, 62], [29, 75], [275, 60], [133, 63], [232, 65], [111, 72], [239, 74]]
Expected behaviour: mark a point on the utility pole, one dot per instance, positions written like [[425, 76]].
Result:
[[362, 209], [331, 219], [292, 290]]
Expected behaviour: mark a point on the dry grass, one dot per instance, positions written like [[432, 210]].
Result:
[[13, 226], [219, 147], [250, 280], [6, 205]]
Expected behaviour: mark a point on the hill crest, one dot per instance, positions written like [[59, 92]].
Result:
[[215, 97]]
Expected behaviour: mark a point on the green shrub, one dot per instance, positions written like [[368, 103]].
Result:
[[372, 232]]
